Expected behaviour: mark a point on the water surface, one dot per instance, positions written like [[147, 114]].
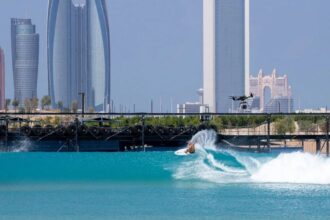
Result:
[[210, 184]]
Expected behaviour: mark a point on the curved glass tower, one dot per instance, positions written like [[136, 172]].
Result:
[[25, 57], [79, 52]]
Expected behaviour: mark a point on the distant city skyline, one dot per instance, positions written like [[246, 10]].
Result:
[[25, 59], [157, 47]]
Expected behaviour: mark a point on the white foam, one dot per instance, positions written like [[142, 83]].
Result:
[[295, 167], [205, 167], [21, 146], [250, 163], [199, 170], [182, 152], [205, 138], [223, 167]]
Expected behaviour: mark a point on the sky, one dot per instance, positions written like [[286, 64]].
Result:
[[156, 48]]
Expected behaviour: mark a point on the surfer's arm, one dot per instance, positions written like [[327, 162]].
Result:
[[190, 149]]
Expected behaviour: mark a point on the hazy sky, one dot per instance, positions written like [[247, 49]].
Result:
[[156, 47]]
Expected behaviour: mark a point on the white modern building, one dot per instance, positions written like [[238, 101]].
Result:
[[189, 107], [309, 111], [225, 52], [193, 107]]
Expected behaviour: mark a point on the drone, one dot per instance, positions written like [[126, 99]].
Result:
[[243, 100]]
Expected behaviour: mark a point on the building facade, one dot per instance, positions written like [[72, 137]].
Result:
[[78, 47], [189, 108], [25, 58], [193, 107], [2, 79], [279, 105], [280, 96], [225, 52]]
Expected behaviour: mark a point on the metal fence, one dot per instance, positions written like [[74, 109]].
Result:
[[241, 124], [231, 124]]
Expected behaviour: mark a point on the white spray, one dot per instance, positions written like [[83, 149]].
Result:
[[21, 146], [205, 165]]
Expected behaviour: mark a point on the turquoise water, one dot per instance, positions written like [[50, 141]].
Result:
[[211, 184]]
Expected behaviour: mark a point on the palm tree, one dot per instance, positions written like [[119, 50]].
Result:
[[74, 106], [91, 109], [35, 103], [28, 105], [45, 102], [7, 104], [15, 104], [60, 105]]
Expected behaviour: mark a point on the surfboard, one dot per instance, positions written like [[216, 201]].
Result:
[[181, 152]]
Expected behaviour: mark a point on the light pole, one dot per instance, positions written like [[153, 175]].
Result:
[[82, 103], [279, 107]]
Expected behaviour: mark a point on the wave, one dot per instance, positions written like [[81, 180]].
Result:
[[205, 138], [21, 146], [295, 167], [226, 166]]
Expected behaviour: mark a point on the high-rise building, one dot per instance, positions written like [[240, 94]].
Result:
[[273, 92], [2, 79], [25, 58], [225, 52], [79, 52]]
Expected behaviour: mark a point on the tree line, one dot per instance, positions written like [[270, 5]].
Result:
[[32, 104]]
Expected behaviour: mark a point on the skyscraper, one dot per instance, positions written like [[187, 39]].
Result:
[[225, 52], [25, 58], [2, 79], [79, 52]]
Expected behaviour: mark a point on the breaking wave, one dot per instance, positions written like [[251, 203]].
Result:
[[226, 166]]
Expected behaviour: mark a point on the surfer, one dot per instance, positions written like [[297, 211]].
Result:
[[191, 148]]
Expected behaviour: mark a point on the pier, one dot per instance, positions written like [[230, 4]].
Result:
[[111, 132]]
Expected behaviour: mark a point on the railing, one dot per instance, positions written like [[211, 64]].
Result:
[[224, 123]]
